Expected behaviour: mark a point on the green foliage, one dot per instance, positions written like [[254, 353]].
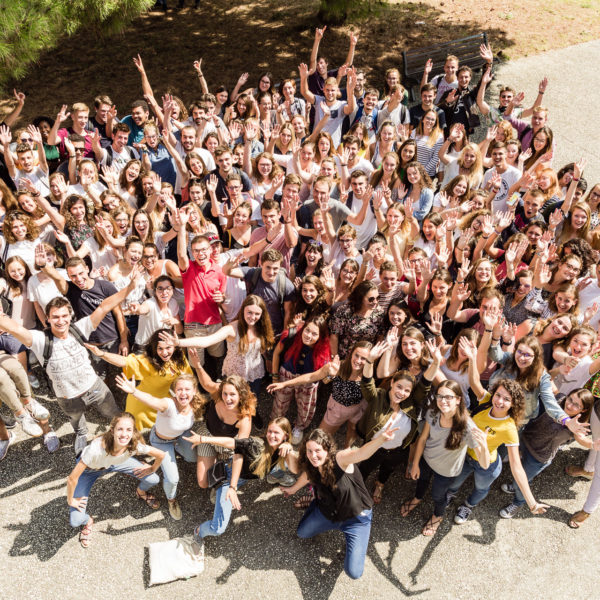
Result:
[[28, 27], [335, 12]]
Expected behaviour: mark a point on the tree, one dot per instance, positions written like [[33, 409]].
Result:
[[29, 27]]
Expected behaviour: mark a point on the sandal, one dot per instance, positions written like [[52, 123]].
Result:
[[85, 534], [432, 526], [408, 506], [149, 499], [577, 519], [304, 501], [377, 492], [575, 471]]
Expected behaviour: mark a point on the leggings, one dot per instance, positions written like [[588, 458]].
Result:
[[386, 460]]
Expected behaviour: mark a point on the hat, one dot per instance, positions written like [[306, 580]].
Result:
[[213, 239]]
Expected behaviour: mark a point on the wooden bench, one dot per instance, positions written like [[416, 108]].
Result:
[[465, 49]]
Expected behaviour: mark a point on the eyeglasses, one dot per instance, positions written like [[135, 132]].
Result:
[[204, 250], [346, 240], [149, 257], [26, 140], [445, 398], [525, 354], [79, 149], [167, 288]]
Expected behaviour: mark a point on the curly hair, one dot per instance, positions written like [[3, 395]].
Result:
[[320, 304], [65, 211], [323, 439], [517, 398], [177, 360], [33, 231], [247, 405]]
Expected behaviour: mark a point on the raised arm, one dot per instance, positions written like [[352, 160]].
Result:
[[61, 117], [158, 404], [350, 456], [308, 95], [12, 117], [5, 140], [486, 79], [315, 50], [205, 341], [16, 330], [470, 350]]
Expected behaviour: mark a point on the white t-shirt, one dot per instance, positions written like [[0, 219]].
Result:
[[24, 249], [235, 291], [170, 423], [205, 155], [368, 228], [69, 366], [104, 257], [43, 291], [362, 163], [403, 423], [509, 178], [95, 456], [38, 177], [336, 118], [587, 296], [576, 378], [119, 159], [154, 320]]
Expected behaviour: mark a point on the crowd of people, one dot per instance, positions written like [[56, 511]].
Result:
[[322, 244]]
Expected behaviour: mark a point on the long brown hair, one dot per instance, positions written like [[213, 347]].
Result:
[[328, 444], [346, 366], [453, 357], [262, 463], [517, 398], [460, 418], [416, 334], [247, 405], [17, 215], [108, 439], [263, 327]]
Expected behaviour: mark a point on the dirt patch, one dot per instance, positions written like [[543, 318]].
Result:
[[233, 37]]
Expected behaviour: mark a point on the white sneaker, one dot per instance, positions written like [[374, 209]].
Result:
[[29, 425], [508, 512], [462, 514], [297, 435], [51, 441], [4, 444], [36, 410]]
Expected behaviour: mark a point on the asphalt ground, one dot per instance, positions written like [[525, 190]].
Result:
[[260, 556]]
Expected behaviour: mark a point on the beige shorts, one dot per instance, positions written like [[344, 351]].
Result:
[[199, 330], [208, 450], [337, 414]]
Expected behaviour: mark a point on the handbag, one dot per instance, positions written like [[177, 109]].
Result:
[[216, 474]]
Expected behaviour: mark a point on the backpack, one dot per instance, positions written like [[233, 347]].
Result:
[[250, 285], [49, 342], [110, 156]]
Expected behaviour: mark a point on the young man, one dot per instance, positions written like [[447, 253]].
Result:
[[225, 166], [77, 147], [104, 107], [446, 82], [79, 116], [526, 132], [338, 109], [508, 177], [353, 162], [368, 113], [361, 193], [140, 113], [85, 295], [118, 153], [282, 236], [204, 288], [66, 360], [428, 92], [270, 283], [37, 175]]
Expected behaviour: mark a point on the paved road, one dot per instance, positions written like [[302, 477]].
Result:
[[574, 81], [259, 556]]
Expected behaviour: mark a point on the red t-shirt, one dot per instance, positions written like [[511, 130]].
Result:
[[199, 286]]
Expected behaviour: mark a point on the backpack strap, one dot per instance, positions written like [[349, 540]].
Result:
[[250, 285], [49, 342], [281, 285]]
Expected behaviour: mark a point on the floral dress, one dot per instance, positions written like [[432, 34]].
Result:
[[351, 327], [248, 365]]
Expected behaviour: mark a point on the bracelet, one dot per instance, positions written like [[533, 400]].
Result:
[[346, 164], [575, 179], [495, 339], [369, 362], [503, 343], [542, 93], [489, 330], [564, 420], [485, 237], [457, 281], [233, 487]]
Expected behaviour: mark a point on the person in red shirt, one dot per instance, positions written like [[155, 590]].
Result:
[[204, 288]]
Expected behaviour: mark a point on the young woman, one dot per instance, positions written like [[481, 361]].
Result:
[[480, 277], [298, 359], [468, 163], [112, 452], [549, 331], [76, 219], [248, 338], [386, 178], [441, 451], [175, 416], [270, 457], [429, 138], [453, 195], [346, 281], [283, 138], [577, 224], [312, 298], [160, 364], [385, 143], [41, 288], [238, 236], [20, 237], [358, 319], [263, 172], [398, 407], [407, 154], [409, 353], [341, 501], [311, 261], [420, 190], [130, 183], [434, 296], [501, 419], [540, 441]]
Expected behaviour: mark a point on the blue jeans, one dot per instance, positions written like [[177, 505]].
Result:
[[89, 477], [355, 530], [483, 478], [439, 487], [532, 468], [223, 507], [169, 463]]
